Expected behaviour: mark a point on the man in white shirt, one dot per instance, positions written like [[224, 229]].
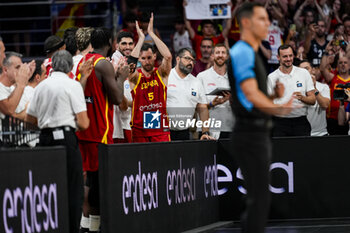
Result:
[[122, 113], [13, 79], [316, 114], [298, 83], [185, 95], [58, 108], [219, 106]]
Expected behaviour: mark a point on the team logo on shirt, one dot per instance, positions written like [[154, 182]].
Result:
[[151, 120], [299, 84]]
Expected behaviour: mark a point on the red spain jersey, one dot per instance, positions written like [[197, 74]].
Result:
[[333, 108], [99, 110], [149, 105]]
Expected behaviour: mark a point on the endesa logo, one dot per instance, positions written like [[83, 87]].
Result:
[[151, 120], [34, 206], [288, 169]]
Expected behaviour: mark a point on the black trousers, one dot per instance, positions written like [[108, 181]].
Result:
[[251, 148], [74, 173], [284, 127]]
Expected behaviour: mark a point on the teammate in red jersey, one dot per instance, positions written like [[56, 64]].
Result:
[[149, 119], [104, 87]]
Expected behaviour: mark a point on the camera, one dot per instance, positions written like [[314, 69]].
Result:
[[339, 94]]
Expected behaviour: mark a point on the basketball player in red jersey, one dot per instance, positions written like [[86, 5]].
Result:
[[149, 118], [104, 87]]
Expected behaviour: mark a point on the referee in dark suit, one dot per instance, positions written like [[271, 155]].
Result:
[[251, 144], [58, 108]]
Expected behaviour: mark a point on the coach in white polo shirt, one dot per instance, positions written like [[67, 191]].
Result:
[[58, 107], [185, 95], [297, 82], [219, 106]]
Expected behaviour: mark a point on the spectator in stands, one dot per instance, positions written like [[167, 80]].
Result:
[[316, 42], [219, 106], [297, 82], [342, 76], [70, 41], [185, 95], [129, 25], [347, 29], [2, 52], [58, 123], [180, 39], [275, 36], [316, 114], [83, 41], [13, 79], [143, 23], [207, 31], [205, 61], [302, 23], [51, 45], [148, 85]]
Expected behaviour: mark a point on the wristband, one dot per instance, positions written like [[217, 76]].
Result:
[[316, 93], [211, 104]]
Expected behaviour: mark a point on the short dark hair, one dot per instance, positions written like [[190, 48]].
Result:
[[124, 34], [284, 47], [130, 17], [145, 17], [246, 10], [207, 21], [347, 18], [101, 37], [208, 39], [221, 45], [305, 60], [182, 51], [38, 70], [70, 41], [147, 46]]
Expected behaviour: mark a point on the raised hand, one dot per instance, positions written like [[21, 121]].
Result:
[[123, 69], [150, 25], [139, 31], [86, 67], [23, 74]]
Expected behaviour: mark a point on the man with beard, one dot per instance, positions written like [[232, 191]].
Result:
[[122, 112], [148, 84], [219, 107], [185, 95], [316, 43], [298, 83]]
